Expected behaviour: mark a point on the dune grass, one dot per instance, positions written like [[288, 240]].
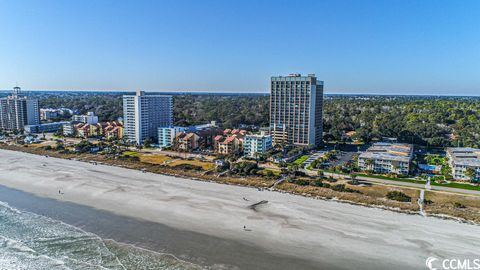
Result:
[[205, 165], [155, 159], [131, 154]]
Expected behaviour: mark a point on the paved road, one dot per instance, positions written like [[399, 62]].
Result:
[[312, 158], [343, 158], [399, 183]]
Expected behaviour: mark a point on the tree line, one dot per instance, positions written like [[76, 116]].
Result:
[[429, 121]]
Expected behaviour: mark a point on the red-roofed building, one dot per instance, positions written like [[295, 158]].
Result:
[[203, 139], [112, 130], [231, 142], [87, 130], [186, 141]]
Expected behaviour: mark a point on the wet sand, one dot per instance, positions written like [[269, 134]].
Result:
[[318, 234], [199, 249]]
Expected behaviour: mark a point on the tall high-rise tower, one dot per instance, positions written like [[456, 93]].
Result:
[[296, 104], [17, 111], [143, 114]]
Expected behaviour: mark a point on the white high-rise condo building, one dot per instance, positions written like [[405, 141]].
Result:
[[296, 104], [17, 111], [143, 114]]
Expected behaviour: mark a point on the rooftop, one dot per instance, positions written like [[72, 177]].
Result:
[[389, 151], [257, 136], [464, 156]]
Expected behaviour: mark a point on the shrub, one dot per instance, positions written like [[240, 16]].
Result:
[[427, 202], [127, 157], [302, 182], [188, 167], [354, 182], [459, 205], [342, 188], [245, 168], [269, 174], [331, 180], [398, 196], [338, 187], [317, 183]]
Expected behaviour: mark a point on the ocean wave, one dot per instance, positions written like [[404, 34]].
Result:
[[8, 207], [148, 259], [31, 241], [16, 255]]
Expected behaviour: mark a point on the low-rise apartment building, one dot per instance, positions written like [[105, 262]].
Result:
[[167, 135], [200, 139], [68, 129], [187, 141], [48, 114], [255, 145], [52, 114], [463, 160], [230, 142], [387, 158], [45, 128], [88, 118], [112, 130], [86, 130], [109, 130]]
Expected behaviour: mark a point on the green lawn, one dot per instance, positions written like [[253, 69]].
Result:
[[393, 179], [456, 185], [433, 183], [300, 160], [432, 159]]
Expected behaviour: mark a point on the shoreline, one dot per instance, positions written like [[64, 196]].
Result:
[[202, 178], [317, 230], [162, 240]]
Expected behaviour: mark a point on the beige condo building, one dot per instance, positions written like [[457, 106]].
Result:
[[296, 104]]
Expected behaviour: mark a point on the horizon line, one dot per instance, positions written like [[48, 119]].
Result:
[[228, 93]]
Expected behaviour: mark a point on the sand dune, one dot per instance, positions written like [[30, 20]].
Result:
[[330, 233]]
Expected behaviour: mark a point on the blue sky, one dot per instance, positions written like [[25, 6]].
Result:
[[388, 47]]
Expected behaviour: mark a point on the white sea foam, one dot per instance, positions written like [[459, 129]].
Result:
[[31, 241], [7, 206]]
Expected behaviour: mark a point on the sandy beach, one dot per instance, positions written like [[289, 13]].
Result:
[[330, 234]]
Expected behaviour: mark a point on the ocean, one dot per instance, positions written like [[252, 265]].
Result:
[[42, 233], [31, 241]]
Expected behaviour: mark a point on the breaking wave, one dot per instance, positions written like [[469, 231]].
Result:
[[30, 241]]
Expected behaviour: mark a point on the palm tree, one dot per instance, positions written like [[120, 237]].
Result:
[[369, 164], [293, 170], [470, 173], [354, 179], [396, 169]]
